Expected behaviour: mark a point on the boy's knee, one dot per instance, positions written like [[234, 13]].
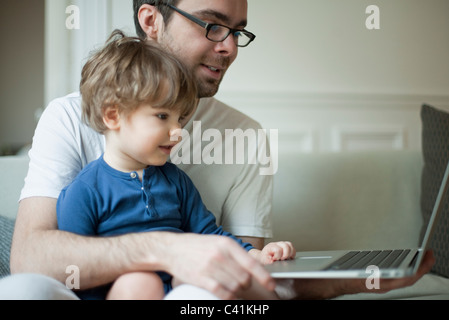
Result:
[[137, 286]]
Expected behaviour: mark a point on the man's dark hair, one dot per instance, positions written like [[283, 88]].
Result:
[[161, 5]]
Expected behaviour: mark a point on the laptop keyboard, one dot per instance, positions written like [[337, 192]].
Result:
[[362, 259]]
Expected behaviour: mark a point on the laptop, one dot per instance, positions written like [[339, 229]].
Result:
[[396, 263]]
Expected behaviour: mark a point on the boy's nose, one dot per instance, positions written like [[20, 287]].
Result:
[[176, 134]]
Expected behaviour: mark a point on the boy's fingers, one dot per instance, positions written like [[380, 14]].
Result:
[[287, 251]]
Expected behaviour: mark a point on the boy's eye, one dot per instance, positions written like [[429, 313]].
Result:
[[162, 116]]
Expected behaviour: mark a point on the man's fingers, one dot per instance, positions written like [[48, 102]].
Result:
[[424, 268], [254, 268], [230, 274], [231, 270], [217, 289], [218, 264]]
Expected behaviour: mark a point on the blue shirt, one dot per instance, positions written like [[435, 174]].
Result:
[[102, 201], [105, 202]]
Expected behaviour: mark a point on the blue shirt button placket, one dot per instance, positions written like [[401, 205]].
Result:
[[147, 199]]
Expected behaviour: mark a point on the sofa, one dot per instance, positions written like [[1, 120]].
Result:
[[322, 201]]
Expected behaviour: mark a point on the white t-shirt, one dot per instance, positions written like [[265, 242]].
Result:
[[235, 192]]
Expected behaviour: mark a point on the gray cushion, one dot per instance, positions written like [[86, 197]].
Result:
[[435, 144], [6, 231]]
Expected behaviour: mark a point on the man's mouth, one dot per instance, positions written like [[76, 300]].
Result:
[[213, 69]]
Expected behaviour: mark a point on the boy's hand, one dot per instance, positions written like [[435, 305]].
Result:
[[275, 251]]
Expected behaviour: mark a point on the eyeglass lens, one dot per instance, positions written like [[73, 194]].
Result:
[[219, 33]]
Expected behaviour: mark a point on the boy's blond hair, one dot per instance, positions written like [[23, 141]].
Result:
[[129, 72]]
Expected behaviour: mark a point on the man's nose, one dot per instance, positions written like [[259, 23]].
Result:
[[228, 47]]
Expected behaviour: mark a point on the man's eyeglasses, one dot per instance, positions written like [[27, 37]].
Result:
[[218, 32]]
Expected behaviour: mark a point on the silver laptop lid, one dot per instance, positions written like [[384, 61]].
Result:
[[437, 208]]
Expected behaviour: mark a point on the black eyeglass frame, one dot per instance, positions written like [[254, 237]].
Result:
[[208, 26]]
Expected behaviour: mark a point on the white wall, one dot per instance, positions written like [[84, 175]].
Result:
[[324, 46], [315, 72]]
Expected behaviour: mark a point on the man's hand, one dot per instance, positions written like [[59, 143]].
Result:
[[217, 264], [327, 289]]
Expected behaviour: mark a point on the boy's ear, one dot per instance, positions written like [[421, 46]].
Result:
[[111, 117], [149, 19]]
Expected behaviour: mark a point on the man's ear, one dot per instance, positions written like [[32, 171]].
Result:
[[149, 19], [111, 117]]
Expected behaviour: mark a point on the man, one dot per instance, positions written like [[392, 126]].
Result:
[[205, 35]]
